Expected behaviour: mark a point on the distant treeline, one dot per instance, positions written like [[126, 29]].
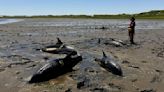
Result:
[[73, 16], [155, 14]]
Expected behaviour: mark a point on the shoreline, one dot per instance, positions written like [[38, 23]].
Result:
[[8, 20]]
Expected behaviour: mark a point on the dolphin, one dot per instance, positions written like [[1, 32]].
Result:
[[109, 64], [111, 41], [117, 43], [63, 49], [56, 67], [58, 48]]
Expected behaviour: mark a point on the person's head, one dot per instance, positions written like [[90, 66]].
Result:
[[132, 19]]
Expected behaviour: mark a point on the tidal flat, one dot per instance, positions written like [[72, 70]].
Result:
[[142, 63]]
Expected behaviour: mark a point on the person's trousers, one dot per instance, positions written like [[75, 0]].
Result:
[[131, 36]]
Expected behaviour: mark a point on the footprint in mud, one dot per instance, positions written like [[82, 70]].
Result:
[[134, 80], [155, 79], [153, 51], [90, 70], [159, 52], [125, 62], [143, 61], [159, 71]]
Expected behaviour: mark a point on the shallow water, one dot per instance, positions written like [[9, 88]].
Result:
[[6, 21]]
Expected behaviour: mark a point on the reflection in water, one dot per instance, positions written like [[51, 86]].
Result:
[[6, 21]]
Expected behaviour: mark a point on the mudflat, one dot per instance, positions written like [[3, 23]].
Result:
[[142, 63]]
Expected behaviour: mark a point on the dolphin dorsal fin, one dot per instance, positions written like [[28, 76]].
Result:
[[104, 55], [58, 40], [99, 41]]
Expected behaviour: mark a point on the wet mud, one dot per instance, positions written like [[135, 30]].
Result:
[[142, 63]]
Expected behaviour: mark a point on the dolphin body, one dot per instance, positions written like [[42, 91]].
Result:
[[110, 65], [58, 48], [111, 41], [56, 67]]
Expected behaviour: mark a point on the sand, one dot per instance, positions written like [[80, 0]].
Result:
[[142, 63]]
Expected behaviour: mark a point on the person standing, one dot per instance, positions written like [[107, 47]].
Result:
[[131, 30]]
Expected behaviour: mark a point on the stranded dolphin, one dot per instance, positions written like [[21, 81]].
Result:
[[111, 41], [56, 67], [109, 64], [58, 48], [63, 49]]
